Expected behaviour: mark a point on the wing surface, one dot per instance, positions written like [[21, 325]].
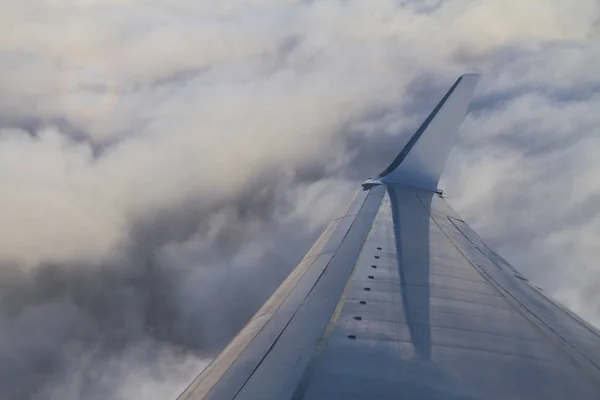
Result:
[[400, 299]]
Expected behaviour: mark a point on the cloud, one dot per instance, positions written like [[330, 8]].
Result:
[[164, 164]]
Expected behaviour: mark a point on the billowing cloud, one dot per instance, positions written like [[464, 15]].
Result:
[[164, 164]]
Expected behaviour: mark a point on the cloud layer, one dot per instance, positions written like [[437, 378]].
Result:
[[164, 164]]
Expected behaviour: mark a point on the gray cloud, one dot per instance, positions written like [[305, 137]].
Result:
[[165, 164]]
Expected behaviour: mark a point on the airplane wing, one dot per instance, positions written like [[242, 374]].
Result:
[[400, 299]]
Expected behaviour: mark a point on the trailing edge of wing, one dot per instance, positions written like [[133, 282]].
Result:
[[422, 160]]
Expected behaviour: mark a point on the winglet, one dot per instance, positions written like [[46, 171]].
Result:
[[422, 160]]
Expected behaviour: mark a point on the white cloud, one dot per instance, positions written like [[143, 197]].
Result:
[[176, 143]]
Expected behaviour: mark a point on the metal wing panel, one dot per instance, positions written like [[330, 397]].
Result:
[[310, 293], [579, 340], [418, 336], [406, 302]]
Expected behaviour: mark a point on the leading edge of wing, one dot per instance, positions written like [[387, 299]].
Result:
[[421, 162]]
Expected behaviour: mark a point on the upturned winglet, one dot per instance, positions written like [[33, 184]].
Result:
[[422, 160]]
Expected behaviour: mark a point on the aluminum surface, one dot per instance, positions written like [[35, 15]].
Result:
[[294, 318], [406, 302], [421, 162], [434, 326]]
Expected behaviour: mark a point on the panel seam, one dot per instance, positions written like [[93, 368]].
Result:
[[503, 292]]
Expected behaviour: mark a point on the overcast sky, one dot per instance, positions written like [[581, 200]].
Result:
[[164, 164]]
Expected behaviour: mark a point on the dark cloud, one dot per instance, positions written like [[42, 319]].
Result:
[[143, 298]]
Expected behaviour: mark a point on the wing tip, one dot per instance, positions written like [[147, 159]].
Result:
[[461, 98], [472, 76]]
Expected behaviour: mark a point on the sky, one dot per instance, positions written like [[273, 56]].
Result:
[[164, 164]]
